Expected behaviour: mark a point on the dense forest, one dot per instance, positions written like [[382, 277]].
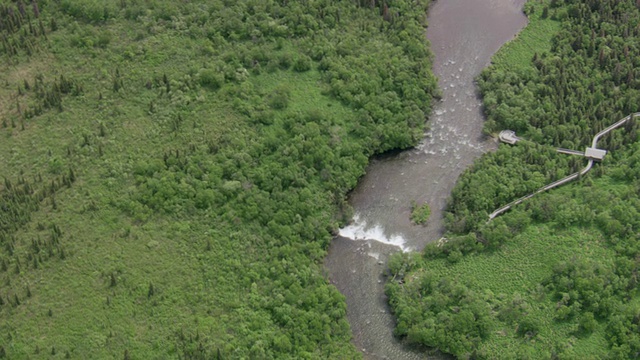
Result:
[[557, 276], [173, 171]]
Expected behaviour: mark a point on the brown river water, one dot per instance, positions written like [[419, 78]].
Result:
[[464, 34]]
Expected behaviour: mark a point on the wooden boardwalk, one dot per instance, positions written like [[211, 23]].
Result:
[[573, 176]]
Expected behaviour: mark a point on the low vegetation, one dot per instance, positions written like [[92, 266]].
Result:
[[557, 276], [172, 171], [420, 214]]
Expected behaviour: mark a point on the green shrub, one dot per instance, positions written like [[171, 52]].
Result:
[[285, 61], [420, 214], [279, 98], [302, 64], [210, 79], [588, 323], [89, 10]]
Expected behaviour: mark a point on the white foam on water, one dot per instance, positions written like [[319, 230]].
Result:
[[359, 230]]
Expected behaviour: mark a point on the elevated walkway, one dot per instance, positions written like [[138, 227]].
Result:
[[591, 153], [570, 152], [509, 137]]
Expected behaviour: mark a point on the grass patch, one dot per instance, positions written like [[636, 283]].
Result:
[[535, 38], [524, 260], [306, 94]]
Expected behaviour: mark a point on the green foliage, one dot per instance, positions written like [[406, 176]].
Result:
[[581, 285], [279, 98], [187, 178], [302, 64], [211, 79], [89, 10], [559, 271], [588, 323], [420, 214], [451, 317], [623, 335], [401, 262]]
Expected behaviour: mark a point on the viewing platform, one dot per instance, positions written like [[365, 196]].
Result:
[[508, 136], [595, 154]]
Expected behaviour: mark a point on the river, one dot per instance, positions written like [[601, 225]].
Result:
[[464, 34]]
